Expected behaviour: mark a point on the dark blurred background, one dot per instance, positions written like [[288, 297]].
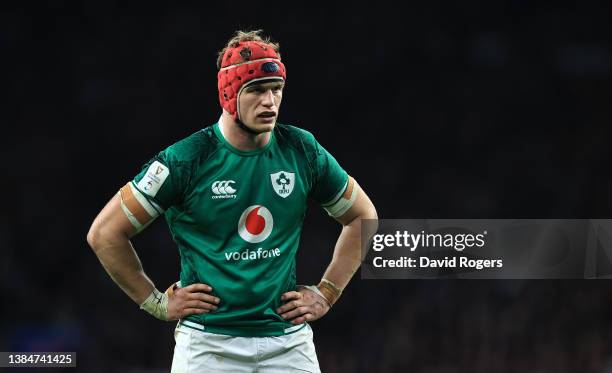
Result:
[[483, 109]]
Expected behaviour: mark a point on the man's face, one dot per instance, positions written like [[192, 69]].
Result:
[[259, 104]]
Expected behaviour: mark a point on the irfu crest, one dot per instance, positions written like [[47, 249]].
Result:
[[283, 182]]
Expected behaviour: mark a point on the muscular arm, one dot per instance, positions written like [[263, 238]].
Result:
[[109, 237], [309, 304], [347, 255]]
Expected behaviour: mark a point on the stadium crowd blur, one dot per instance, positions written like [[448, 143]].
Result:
[[444, 110]]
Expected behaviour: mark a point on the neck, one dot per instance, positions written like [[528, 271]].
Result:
[[239, 138]]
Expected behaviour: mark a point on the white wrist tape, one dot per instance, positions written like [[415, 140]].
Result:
[[156, 304]]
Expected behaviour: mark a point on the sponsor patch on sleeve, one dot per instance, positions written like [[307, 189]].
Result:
[[153, 179]]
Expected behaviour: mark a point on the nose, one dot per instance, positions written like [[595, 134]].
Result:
[[268, 98]]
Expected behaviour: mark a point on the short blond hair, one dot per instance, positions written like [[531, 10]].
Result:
[[241, 36]]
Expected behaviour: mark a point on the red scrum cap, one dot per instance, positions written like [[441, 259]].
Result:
[[247, 62]]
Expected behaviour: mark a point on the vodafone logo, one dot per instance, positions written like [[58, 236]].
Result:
[[255, 224]]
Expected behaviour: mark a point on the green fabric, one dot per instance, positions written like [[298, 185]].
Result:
[[248, 277]]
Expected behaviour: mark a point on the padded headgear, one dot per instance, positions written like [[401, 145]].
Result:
[[247, 62]]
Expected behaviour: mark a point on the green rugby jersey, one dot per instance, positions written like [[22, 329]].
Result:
[[237, 216]]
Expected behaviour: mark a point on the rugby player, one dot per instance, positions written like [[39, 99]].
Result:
[[234, 197]]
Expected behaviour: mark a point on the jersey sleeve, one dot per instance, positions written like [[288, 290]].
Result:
[[330, 180], [163, 180]]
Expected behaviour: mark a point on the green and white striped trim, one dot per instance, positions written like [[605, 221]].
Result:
[[151, 207], [338, 205], [202, 328]]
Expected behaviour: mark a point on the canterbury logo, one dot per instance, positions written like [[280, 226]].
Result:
[[223, 189]]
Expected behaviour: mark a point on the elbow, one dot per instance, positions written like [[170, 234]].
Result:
[[102, 235], [370, 227], [93, 237], [372, 216], [371, 213], [98, 236], [368, 212]]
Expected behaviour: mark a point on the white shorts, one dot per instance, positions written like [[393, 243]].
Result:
[[200, 351]]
